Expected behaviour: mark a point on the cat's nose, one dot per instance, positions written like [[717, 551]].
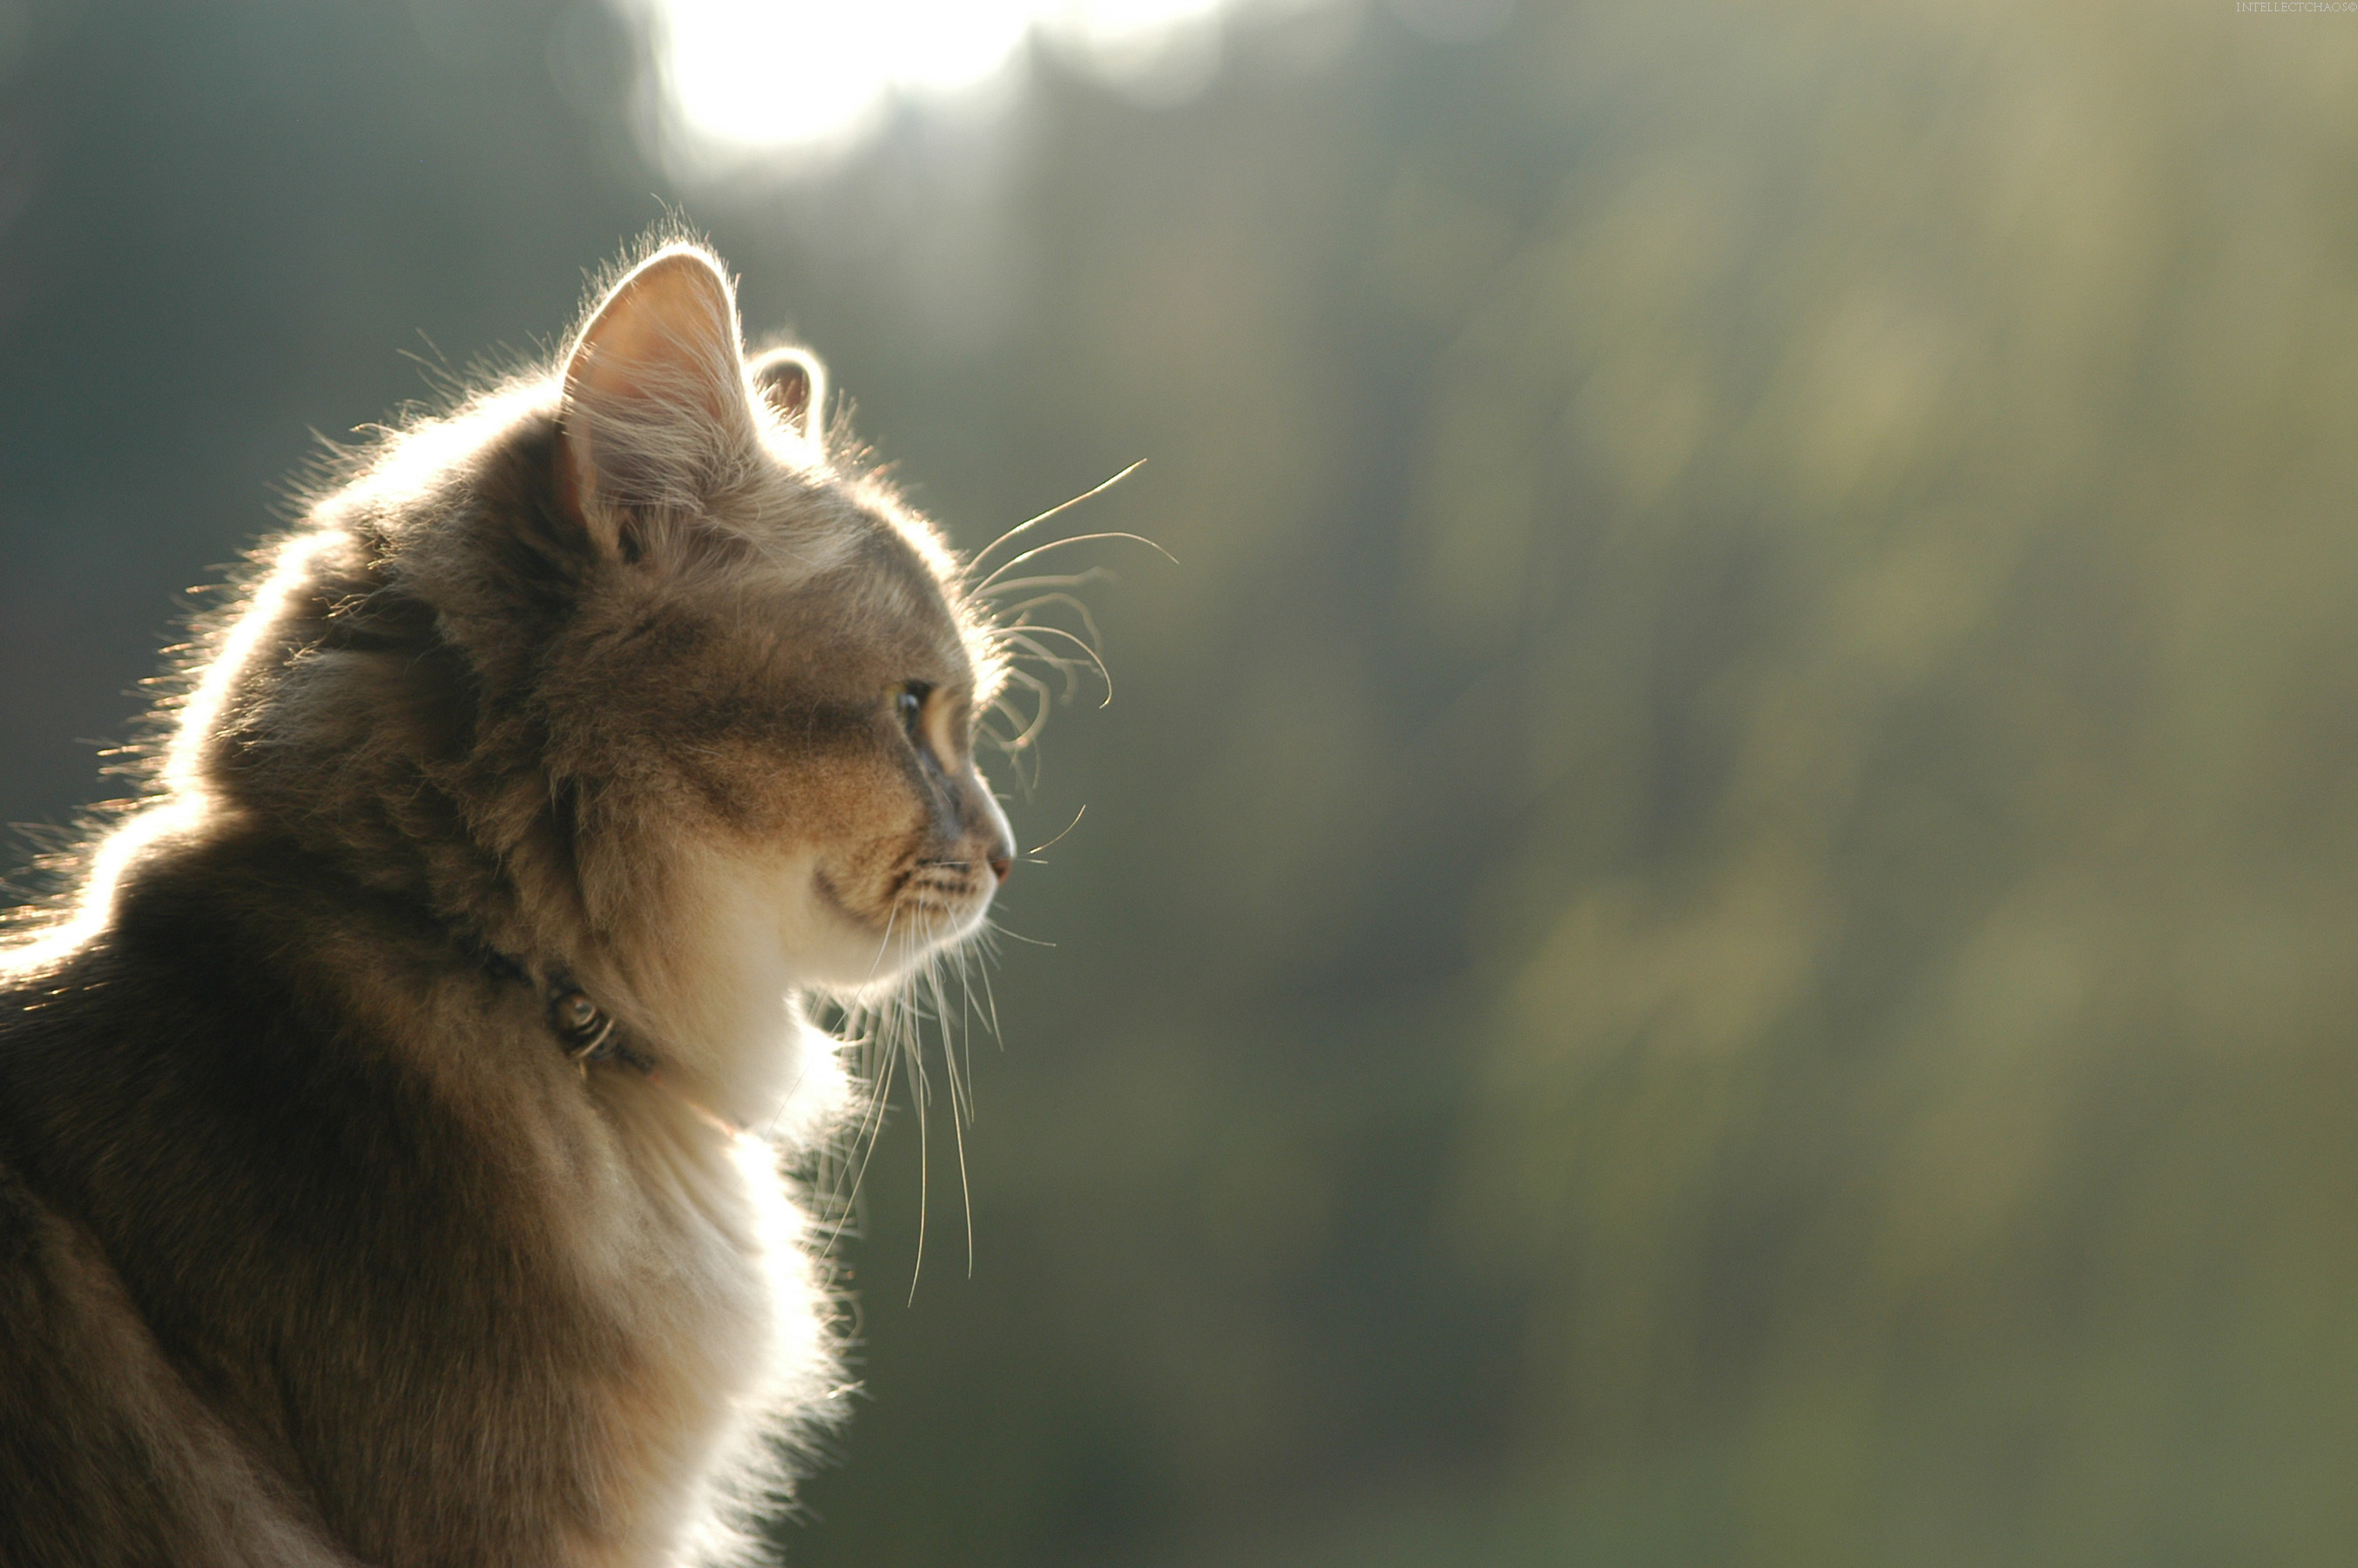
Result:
[[992, 824]]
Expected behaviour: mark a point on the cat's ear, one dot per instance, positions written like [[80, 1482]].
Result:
[[656, 411], [794, 383]]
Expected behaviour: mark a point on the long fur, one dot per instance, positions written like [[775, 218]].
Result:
[[315, 1246]]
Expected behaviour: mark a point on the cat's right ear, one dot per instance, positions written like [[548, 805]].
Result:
[[656, 413]]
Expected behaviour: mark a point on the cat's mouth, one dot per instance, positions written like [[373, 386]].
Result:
[[941, 905], [928, 905], [930, 884]]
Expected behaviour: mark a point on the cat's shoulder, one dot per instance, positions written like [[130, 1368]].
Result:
[[107, 1457]]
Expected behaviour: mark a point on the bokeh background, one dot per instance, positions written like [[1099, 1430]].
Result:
[[1718, 915]]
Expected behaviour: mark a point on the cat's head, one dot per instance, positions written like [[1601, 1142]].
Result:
[[796, 650], [624, 669]]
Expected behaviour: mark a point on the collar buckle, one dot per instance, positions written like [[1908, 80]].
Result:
[[587, 1028]]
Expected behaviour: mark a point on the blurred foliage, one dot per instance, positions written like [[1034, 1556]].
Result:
[[1715, 917]]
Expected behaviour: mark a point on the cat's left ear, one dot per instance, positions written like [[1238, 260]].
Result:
[[794, 383], [656, 411]]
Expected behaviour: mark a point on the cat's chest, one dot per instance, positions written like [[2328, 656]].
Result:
[[698, 1252], [693, 1274]]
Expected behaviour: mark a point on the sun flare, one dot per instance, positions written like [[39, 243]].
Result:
[[746, 75]]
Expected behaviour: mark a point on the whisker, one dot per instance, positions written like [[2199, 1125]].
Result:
[[921, 1091], [1022, 613], [886, 944], [966, 1188], [1003, 706], [932, 982], [1067, 580], [991, 1005], [888, 1024], [965, 1009], [1040, 718], [1009, 931], [1057, 662], [870, 1134], [1052, 843], [1026, 632], [1054, 511], [1014, 561]]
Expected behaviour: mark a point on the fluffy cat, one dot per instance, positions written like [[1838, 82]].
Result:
[[376, 1183]]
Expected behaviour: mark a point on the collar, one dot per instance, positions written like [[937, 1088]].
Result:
[[588, 1034], [587, 1031]]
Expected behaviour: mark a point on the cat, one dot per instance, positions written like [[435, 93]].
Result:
[[392, 1127]]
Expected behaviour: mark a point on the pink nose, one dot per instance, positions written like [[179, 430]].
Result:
[[1001, 863]]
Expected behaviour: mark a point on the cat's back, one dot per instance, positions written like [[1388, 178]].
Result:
[[108, 1453], [236, 1133], [106, 1457]]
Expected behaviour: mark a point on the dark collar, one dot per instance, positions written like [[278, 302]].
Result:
[[588, 1033], [584, 1031]]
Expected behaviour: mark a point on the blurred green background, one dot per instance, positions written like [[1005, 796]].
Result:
[[1717, 921]]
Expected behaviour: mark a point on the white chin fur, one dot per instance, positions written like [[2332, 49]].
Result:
[[765, 934], [826, 949]]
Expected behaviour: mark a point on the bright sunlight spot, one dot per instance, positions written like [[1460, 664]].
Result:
[[745, 75]]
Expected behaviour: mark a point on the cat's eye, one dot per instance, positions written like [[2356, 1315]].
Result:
[[909, 703]]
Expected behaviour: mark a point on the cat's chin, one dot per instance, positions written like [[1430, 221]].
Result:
[[856, 957], [784, 917]]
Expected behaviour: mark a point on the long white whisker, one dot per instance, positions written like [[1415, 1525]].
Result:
[[1039, 714], [991, 1003], [960, 1108], [1015, 561], [1025, 633], [1059, 838], [1057, 662], [1033, 941], [920, 1092], [886, 944], [1022, 612], [1063, 580], [870, 1134], [1055, 511]]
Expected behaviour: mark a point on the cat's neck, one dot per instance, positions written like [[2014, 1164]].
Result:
[[702, 971]]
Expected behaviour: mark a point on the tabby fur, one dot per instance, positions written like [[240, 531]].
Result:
[[616, 689]]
